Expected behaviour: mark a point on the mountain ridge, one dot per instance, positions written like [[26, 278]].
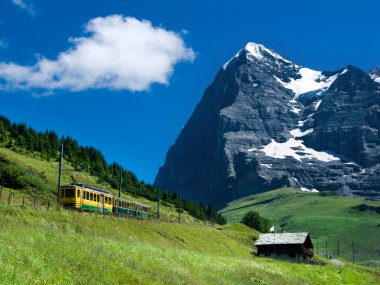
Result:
[[259, 102]]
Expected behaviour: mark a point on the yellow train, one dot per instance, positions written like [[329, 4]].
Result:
[[90, 198]]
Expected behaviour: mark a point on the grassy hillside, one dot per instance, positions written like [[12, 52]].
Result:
[[50, 247], [326, 217], [38, 177], [35, 178]]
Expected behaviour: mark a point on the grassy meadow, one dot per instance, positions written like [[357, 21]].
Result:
[[51, 247], [41, 176], [328, 218], [41, 246]]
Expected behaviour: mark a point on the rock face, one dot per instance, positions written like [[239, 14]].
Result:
[[266, 123]]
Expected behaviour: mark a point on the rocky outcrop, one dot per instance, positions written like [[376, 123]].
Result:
[[266, 123]]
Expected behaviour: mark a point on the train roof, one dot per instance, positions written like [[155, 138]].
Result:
[[88, 187]]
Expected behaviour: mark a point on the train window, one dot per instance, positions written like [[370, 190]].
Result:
[[62, 193], [97, 198], [78, 193], [69, 193], [87, 195]]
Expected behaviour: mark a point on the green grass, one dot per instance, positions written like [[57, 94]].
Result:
[[41, 176], [326, 217], [50, 247]]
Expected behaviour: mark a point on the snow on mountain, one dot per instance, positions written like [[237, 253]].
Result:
[[304, 189], [310, 80], [375, 74], [259, 51], [297, 133], [228, 62], [296, 149], [265, 122]]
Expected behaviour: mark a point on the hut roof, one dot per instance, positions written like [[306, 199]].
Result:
[[282, 238]]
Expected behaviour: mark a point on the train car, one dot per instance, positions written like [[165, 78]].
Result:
[[131, 209], [86, 197]]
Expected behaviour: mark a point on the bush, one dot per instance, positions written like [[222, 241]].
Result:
[[254, 220]]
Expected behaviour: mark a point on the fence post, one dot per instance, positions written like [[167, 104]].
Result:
[[23, 201], [34, 201], [1, 188], [48, 205], [326, 248], [353, 253], [9, 199], [179, 210]]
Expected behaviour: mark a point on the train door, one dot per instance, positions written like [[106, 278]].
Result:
[[101, 203]]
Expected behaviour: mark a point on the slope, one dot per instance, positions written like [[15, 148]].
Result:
[[50, 247], [28, 166], [37, 177], [328, 218]]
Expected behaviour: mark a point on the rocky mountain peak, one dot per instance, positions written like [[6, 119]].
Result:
[[375, 74], [266, 123], [353, 78], [262, 53]]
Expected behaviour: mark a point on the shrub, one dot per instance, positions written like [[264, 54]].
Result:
[[254, 220]]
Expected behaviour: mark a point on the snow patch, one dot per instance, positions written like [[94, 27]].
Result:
[[310, 80], [309, 190], [301, 123], [296, 149], [256, 50], [266, 165], [295, 110], [375, 78], [297, 133], [228, 62], [317, 104], [344, 71]]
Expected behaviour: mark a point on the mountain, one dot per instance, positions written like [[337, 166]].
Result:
[[266, 122], [375, 74]]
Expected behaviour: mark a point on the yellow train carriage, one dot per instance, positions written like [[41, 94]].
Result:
[[82, 196]]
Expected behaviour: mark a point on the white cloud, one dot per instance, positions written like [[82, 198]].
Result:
[[120, 53], [24, 6]]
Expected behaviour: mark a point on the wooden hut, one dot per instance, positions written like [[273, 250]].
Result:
[[289, 246]]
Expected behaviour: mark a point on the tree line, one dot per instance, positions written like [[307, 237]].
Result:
[[88, 159]]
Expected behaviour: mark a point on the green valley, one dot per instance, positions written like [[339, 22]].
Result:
[[328, 218]]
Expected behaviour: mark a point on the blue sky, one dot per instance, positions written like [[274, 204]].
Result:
[[136, 113]]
